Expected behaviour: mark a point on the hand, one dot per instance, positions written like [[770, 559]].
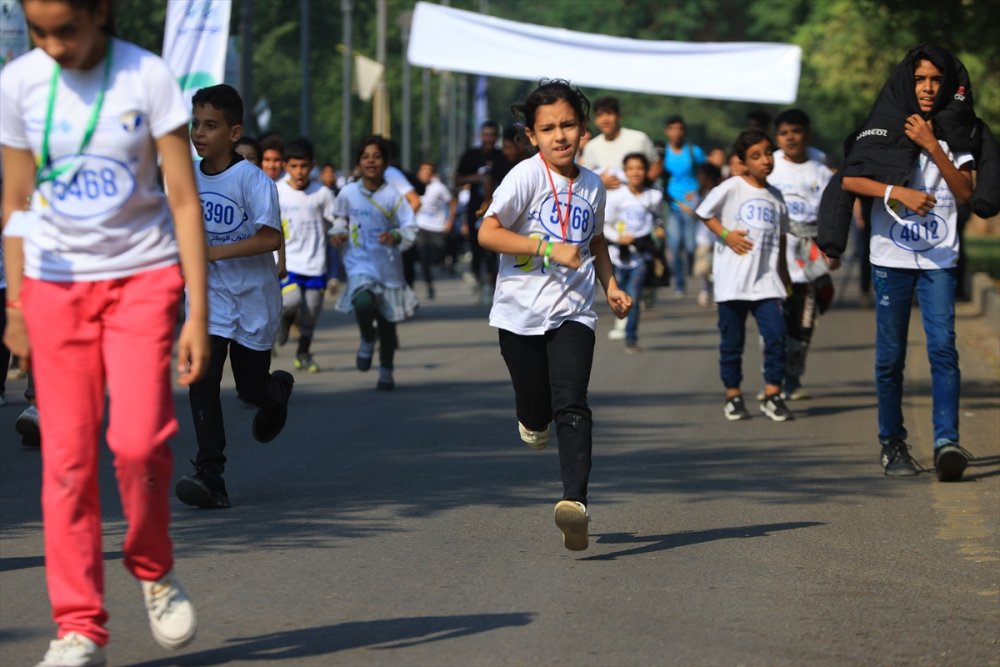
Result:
[[567, 254], [660, 233], [192, 352], [626, 239], [338, 240], [15, 337], [610, 180], [738, 242], [833, 263], [921, 132], [390, 238], [620, 302], [915, 200]]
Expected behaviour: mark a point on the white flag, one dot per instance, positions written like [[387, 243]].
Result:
[[367, 73], [195, 42]]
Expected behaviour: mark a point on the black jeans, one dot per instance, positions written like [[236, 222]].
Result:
[[251, 370], [550, 374]]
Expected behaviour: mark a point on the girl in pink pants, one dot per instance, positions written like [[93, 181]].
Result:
[[91, 250]]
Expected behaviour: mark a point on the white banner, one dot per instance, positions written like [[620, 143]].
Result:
[[195, 42], [13, 32], [460, 41]]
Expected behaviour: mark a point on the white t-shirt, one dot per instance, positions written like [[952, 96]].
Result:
[[306, 215], [602, 154], [397, 179], [921, 242], [812, 153], [365, 215], [244, 297], [632, 214], [761, 212], [434, 206], [801, 185], [529, 298], [108, 217]]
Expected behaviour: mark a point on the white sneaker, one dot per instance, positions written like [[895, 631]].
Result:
[[573, 520], [171, 614], [534, 439], [704, 299], [618, 332], [73, 650]]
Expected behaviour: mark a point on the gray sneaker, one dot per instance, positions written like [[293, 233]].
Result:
[[896, 459], [27, 427]]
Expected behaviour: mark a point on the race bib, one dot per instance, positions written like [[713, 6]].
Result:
[[93, 186], [223, 217], [582, 218]]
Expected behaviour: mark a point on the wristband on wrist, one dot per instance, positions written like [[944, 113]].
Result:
[[14, 304], [724, 234], [538, 248], [888, 192], [548, 253], [396, 235]]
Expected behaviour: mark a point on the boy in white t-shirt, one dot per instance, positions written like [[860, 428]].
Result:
[[242, 228], [749, 272], [435, 218], [914, 249], [801, 180], [306, 217]]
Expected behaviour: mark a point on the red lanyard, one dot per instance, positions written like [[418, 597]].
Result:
[[563, 223]]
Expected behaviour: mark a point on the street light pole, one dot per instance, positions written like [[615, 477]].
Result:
[[406, 122], [346, 6], [304, 63]]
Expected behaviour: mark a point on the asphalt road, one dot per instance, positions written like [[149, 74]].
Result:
[[413, 527]]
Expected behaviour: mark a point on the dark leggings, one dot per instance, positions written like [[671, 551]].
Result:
[[550, 374], [251, 370], [368, 315]]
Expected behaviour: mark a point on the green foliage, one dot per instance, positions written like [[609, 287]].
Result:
[[848, 48]]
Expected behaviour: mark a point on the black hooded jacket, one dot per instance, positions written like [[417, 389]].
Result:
[[881, 151]]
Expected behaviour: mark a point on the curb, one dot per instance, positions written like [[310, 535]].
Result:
[[986, 300]]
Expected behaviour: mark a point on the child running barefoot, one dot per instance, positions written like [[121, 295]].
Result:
[[84, 119], [546, 221], [374, 224], [749, 272]]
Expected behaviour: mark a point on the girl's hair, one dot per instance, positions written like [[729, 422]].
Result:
[[91, 7], [637, 156], [747, 138], [379, 142], [550, 91]]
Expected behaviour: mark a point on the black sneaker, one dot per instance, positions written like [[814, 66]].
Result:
[[949, 462], [774, 407], [284, 329], [366, 350], [735, 409], [268, 422], [896, 460], [205, 489]]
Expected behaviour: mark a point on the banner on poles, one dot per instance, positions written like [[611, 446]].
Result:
[[195, 41], [13, 31], [481, 44]]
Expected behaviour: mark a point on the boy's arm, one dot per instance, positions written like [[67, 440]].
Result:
[[735, 239], [915, 200], [921, 132], [267, 239]]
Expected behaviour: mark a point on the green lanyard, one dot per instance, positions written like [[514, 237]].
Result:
[[45, 171]]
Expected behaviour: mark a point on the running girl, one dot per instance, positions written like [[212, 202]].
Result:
[[546, 221], [83, 119], [376, 224]]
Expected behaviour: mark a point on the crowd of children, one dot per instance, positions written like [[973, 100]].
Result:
[[253, 230]]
